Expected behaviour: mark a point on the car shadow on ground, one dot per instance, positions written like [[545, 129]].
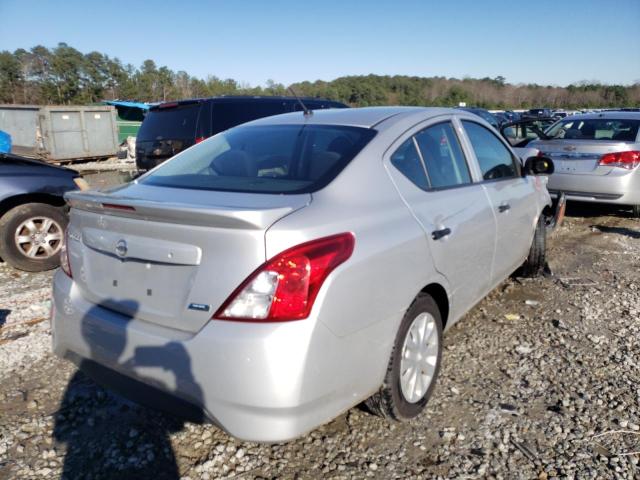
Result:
[[107, 436], [4, 313], [589, 210], [617, 230]]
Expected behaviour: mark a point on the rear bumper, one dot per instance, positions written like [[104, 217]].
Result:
[[621, 188], [259, 382]]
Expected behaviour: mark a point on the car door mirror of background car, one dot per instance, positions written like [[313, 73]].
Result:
[[538, 166]]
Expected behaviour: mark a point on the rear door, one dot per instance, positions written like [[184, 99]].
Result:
[[430, 170], [511, 196]]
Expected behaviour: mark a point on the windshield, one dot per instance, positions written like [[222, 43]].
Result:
[[264, 159], [595, 129], [177, 122]]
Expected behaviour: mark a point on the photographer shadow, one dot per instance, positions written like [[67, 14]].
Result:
[[107, 436]]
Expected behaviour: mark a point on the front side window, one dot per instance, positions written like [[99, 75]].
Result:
[[443, 158], [494, 158], [264, 159]]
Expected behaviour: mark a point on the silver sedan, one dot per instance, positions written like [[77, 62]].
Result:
[[596, 158], [287, 269]]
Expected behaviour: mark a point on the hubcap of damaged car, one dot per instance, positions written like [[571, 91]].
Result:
[[38, 237], [419, 358]]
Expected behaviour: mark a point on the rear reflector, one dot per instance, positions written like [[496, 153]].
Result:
[[65, 265], [115, 206], [629, 159], [285, 287]]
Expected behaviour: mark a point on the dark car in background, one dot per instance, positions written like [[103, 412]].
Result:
[[538, 113], [33, 212], [486, 115], [171, 127]]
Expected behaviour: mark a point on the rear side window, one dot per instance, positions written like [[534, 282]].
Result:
[[175, 122], [231, 114], [443, 157], [264, 159], [494, 158], [407, 160]]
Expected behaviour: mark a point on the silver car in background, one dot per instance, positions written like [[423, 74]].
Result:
[[285, 270], [596, 158]]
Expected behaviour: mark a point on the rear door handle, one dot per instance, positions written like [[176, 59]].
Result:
[[504, 208], [438, 234]]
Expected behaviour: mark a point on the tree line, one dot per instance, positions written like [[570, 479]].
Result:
[[63, 75]]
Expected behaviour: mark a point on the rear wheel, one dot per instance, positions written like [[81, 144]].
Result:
[[414, 364], [535, 263], [31, 236]]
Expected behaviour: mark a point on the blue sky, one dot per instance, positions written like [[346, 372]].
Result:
[[553, 42]]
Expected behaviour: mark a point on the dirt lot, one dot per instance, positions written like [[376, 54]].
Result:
[[540, 380]]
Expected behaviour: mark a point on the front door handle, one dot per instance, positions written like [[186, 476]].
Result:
[[504, 208], [438, 234]]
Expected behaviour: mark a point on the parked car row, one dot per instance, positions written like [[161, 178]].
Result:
[[596, 155], [255, 264]]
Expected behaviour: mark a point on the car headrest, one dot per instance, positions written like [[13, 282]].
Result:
[[235, 163]]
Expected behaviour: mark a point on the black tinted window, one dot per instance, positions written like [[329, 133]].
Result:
[[230, 114], [494, 158], [171, 122], [407, 160], [443, 157], [264, 159]]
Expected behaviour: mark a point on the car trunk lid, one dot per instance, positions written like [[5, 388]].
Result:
[[169, 256], [580, 157]]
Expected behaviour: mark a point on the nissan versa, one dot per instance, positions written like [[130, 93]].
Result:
[[282, 271]]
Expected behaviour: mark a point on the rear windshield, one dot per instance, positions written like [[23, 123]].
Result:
[[595, 129], [264, 159], [169, 123]]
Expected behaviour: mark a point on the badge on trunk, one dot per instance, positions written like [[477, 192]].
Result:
[[201, 307], [121, 248]]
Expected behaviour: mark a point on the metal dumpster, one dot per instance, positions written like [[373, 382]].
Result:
[[61, 133]]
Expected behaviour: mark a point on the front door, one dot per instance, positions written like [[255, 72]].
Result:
[[511, 197]]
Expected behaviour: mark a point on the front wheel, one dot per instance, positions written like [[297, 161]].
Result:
[[414, 364], [536, 261], [31, 236]]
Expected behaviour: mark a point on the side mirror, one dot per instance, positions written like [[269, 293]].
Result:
[[538, 166]]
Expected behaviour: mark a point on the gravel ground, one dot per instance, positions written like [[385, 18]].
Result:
[[539, 381]]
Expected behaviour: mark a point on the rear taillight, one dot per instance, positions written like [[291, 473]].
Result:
[[200, 139], [629, 159], [285, 287], [65, 265]]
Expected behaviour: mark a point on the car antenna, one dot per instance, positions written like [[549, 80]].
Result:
[[306, 111]]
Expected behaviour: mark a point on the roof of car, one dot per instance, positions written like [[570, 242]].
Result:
[[606, 115], [255, 98], [367, 117]]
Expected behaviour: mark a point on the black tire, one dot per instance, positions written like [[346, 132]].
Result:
[[17, 257], [635, 211], [389, 402], [536, 261]]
